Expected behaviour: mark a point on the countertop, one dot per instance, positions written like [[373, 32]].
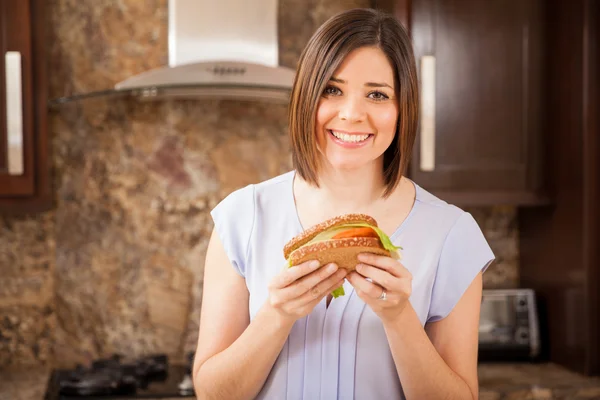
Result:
[[496, 382], [534, 381]]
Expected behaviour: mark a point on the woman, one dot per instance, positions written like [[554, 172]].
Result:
[[403, 329]]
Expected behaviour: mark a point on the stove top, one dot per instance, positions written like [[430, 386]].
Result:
[[150, 377]]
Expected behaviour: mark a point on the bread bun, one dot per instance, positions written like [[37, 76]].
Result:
[[310, 233], [341, 251]]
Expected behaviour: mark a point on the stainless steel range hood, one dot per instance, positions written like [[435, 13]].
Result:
[[217, 49]]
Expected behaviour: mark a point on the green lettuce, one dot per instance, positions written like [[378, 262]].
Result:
[[338, 292]]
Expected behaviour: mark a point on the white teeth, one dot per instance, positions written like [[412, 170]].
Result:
[[349, 138]]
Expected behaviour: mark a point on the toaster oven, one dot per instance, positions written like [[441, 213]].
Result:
[[508, 325]]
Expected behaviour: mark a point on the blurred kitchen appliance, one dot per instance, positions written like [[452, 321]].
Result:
[[509, 326], [219, 49], [149, 377]]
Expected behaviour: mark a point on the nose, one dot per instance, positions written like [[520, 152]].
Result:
[[352, 109]]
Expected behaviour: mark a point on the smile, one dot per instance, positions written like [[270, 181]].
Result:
[[350, 138]]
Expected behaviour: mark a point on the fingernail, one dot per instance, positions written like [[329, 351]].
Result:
[[359, 267], [331, 267], [314, 264], [363, 257]]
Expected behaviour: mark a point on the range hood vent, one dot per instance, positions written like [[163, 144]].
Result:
[[225, 49]]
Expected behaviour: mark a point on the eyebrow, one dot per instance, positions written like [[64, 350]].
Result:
[[368, 84]]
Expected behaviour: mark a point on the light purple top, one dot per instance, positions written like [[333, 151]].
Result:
[[341, 351]]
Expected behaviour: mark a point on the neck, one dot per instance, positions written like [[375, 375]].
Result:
[[350, 189]]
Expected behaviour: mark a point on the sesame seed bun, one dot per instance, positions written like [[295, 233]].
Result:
[[310, 233], [343, 251]]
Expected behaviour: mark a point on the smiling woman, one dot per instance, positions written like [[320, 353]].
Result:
[[270, 329]]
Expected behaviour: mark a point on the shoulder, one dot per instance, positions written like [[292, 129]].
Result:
[[241, 208], [435, 213], [235, 218], [462, 250], [438, 221], [454, 227], [275, 186]]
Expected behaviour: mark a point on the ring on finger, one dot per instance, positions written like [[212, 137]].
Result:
[[383, 295]]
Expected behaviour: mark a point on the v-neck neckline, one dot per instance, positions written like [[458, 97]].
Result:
[[298, 223]]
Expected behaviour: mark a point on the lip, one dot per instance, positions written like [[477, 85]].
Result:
[[348, 145]]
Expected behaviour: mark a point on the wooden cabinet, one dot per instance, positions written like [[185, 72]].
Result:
[[24, 150], [560, 245], [516, 118], [481, 71]]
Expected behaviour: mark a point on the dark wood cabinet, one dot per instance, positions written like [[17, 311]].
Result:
[[517, 121], [481, 73], [560, 244], [24, 150]]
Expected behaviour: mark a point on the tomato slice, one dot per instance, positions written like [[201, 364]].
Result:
[[356, 232]]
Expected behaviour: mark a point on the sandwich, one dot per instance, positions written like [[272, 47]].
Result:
[[340, 240]]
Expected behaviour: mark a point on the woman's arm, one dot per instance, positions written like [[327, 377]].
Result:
[[234, 356], [440, 361]]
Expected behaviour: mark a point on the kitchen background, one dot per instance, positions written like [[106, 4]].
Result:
[[117, 266], [110, 257]]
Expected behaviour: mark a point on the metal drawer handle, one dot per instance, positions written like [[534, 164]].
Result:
[[427, 113], [14, 112]]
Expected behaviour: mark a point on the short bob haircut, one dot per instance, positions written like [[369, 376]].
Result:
[[325, 51]]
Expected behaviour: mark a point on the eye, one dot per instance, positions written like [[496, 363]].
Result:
[[378, 96], [332, 91]]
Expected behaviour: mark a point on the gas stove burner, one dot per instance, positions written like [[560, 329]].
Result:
[[115, 377], [103, 382], [111, 376]]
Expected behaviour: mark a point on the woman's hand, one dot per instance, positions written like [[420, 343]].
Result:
[[296, 291], [391, 285]]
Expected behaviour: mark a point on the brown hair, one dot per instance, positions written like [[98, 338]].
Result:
[[325, 51]]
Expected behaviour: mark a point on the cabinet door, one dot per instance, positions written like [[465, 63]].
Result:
[[25, 170], [16, 92], [480, 69]]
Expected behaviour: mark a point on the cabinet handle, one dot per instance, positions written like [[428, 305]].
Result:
[[427, 113], [14, 112]]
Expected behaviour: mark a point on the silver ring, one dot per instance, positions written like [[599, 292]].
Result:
[[383, 295]]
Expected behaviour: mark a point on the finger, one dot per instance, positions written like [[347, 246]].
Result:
[[330, 289], [360, 284], [389, 264], [292, 274], [379, 276], [312, 281], [321, 290], [368, 298]]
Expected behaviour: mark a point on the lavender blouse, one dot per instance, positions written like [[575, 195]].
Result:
[[341, 351]]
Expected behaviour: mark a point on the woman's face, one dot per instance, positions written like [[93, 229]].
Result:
[[358, 111]]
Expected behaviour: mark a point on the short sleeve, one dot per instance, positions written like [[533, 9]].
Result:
[[465, 253], [234, 221]]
